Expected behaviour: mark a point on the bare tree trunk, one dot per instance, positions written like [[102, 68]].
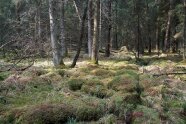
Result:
[[108, 44], [100, 24], [138, 35], [168, 29], [62, 30], [157, 36], [57, 59], [95, 45], [184, 37], [148, 28], [90, 21], [81, 37], [38, 30]]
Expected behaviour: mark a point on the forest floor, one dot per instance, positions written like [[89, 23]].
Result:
[[119, 90]]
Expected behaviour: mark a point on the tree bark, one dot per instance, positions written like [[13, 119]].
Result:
[[108, 44], [95, 45], [168, 29], [184, 37], [81, 37], [63, 50], [57, 58], [90, 25]]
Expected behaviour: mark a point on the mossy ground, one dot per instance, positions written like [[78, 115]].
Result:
[[102, 94]]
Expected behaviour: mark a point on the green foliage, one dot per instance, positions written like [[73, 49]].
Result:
[[75, 84], [108, 119], [45, 114], [149, 115], [125, 83], [88, 113], [61, 72], [4, 75]]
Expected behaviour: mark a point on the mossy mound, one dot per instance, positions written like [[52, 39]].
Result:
[[150, 116], [96, 88], [132, 73], [146, 81], [88, 113], [54, 77], [108, 119], [75, 84], [102, 72], [34, 72], [120, 102], [48, 114], [126, 67], [125, 83], [4, 75], [154, 91]]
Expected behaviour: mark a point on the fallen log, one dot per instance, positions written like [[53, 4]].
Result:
[[173, 73]]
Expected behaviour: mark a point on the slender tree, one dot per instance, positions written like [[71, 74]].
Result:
[[90, 25], [184, 36], [108, 44], [62, 29], [81, 37], [56, 51], [95, 45]]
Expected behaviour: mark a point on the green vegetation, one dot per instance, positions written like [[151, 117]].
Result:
[[101, 94]]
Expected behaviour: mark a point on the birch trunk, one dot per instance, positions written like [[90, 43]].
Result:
[[57, 59]]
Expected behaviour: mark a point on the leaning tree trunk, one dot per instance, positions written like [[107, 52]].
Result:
[[95, 45], [184, 37], [57, 58], [168, 29], [81, 38]]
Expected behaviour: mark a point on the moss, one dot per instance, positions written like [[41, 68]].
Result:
[[132, 73], [61, 72], [141, 62], [108, 119], [149, 115], [88, 113], [121, 102], [75, 84], [34, 72], [124, 83], [54, 77], [47, 114], [102, 72], [4, 75], [98, 90]]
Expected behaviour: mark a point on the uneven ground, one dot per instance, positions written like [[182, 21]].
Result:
[[117, 91]]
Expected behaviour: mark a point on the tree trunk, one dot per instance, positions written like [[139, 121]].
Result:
[[62, 30], [168, 29], [184, 36], [148, 28], [90, 24], [138, 36], [108, 44], [57, 58], [81, 38], [38, 30], [95, 45]]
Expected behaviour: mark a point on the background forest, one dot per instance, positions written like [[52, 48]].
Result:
[[92, 61]]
